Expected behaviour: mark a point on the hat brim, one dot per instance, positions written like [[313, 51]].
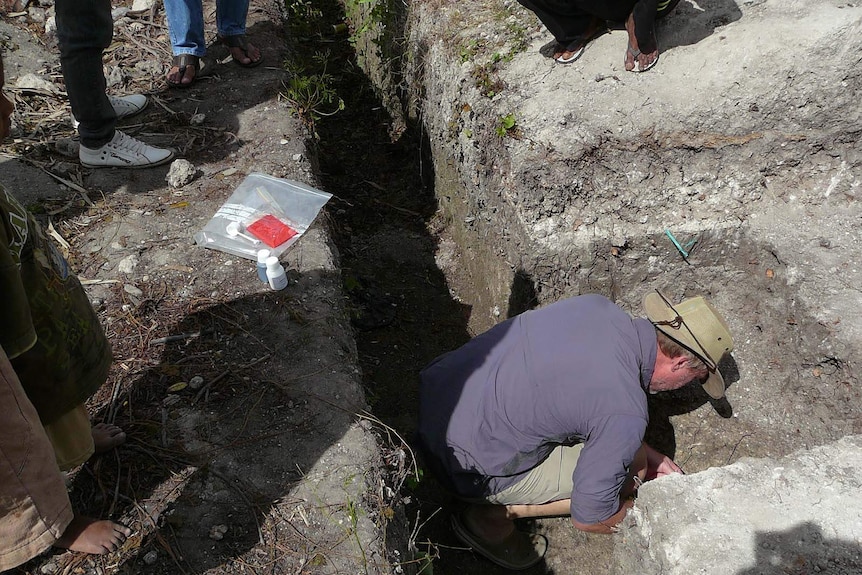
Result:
[[714, 385], [658, 310]]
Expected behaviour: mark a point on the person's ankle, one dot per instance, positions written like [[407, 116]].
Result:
[[91, 145]]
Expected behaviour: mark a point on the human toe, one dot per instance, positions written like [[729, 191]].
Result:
[[189, 76], [118, 536], [107, 436]]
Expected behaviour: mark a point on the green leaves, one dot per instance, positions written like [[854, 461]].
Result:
[[505, 124]]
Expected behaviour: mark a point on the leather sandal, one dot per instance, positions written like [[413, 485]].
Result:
[[182, 62], [239, 41]]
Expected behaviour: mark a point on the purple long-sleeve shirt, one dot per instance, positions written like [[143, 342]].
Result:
[[574, 371]]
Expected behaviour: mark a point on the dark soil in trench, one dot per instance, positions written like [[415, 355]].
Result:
[[387, 228], [406, 311]]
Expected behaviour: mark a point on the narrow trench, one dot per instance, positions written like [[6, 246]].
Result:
[[387, 227], [385, 224]]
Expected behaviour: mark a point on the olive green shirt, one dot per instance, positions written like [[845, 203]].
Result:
[[47, 326]]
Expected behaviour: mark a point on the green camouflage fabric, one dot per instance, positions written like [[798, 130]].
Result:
[[47, 326]]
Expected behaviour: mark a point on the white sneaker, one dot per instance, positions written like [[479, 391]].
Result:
[[124, 106], [124, 151]]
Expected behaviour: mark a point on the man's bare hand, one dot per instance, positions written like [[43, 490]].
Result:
[[658, 464]]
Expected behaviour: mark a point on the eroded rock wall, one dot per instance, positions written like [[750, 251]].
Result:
[[728, 170], [757, 516], [732, 169]]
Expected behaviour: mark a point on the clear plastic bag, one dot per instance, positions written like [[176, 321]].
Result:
[[270, 206]]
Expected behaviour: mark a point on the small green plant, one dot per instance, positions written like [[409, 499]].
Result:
[[414, 480], [506, 124], [486, 79], [311, 94], [302, 16], [468, 51], [302, 9], [368, 21]]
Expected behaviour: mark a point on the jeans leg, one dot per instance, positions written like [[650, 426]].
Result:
[[84, 29], [186, 25], [231, 16]]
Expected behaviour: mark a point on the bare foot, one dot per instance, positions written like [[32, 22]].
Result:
[[635, 54], [106, 437], [94, 536], [181, 75], [250, 55], [566, 54]]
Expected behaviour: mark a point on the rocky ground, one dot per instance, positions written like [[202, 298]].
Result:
[[251, 446], [559, 180]]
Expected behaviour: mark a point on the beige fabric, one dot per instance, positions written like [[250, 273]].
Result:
[[551, 480], [34, 505], [695, 324], [71, 437]]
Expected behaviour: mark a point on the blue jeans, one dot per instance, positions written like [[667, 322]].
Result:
[[186, 23], [85, 29]]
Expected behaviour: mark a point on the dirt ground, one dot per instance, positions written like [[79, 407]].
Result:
[[441, 230], [559, 180], [251, 447]]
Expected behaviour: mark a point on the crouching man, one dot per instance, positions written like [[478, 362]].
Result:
[[544, 414]]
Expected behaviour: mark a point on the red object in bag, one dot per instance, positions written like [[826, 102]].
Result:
[[271, 231]]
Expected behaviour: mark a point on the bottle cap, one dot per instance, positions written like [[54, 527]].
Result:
[[262, 256], [272, 262]]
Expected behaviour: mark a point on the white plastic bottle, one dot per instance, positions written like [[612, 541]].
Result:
[[262, 255], [275, 274]]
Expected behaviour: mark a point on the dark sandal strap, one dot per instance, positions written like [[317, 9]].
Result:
[[183, 61], [237, 41]]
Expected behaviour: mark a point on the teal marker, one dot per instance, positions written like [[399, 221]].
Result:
[[682, 250]]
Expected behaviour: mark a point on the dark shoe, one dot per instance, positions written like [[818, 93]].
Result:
[[182, 63], [517, 552], [239, 41]]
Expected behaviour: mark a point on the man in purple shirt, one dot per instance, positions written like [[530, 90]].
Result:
[[545, 414]]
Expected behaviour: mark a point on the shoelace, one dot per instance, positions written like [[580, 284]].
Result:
[[128, 143]]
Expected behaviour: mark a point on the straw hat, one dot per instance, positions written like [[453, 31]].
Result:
[[697, 326]]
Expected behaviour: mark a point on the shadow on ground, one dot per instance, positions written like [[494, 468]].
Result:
[[238, 404], [690, 23], [803, 549]]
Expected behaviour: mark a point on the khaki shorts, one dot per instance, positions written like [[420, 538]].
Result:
[[71, 437], [551, 480], [34, 505]]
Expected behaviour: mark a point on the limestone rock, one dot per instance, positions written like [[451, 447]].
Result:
[[181, 173], [141, 5], [36, 83], [128, 264], [755, 516]]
